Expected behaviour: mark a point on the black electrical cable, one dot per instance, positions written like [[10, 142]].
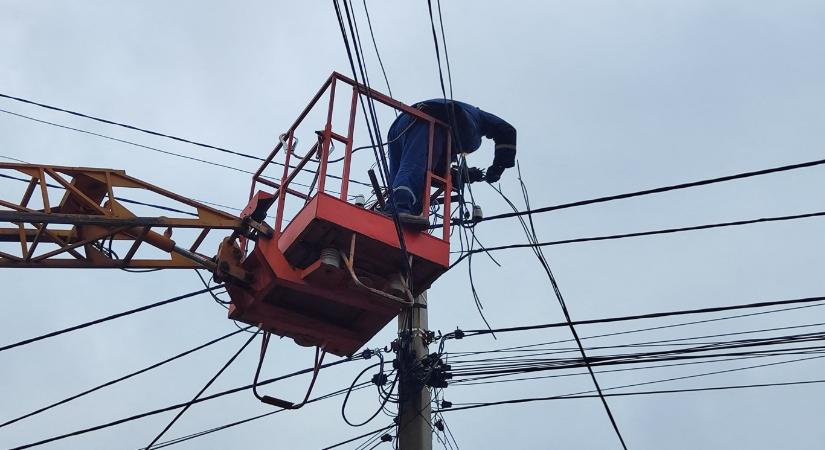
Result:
[[155, 149], [489, 379], [375, 46], [130, 127], [458, 334], [342, 27], [205, 387], [176, 406], [648, 233], [346, 397], [711, 309], [702, 374], [534, 349], [462, 171], [626, 394], [14, 159], [533, 237], [444, 42], [380, 157], [361, 436], [658, 190], [107, 318], [698, 352], [693, 322], [191, 436], [123, 141], [123, 378], [437, 52]]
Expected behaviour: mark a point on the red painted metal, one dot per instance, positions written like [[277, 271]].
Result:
[[333, 276]]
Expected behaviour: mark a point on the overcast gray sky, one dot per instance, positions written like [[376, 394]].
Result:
[[607, 97]]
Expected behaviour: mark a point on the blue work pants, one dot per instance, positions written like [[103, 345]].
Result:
[[408, 147]]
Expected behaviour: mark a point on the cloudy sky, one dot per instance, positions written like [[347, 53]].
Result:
[[607, 97]]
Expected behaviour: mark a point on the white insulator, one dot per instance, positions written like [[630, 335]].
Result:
[[359, 200], [478, 214], [330, 257]]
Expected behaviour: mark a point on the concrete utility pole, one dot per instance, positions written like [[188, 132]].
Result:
[[415, 431]]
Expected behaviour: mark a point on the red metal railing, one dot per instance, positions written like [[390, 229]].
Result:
[[440, 182]]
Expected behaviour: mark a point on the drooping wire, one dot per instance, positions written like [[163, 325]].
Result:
[[463, 171], [530, 233], [209, 431], [361, 436], [181, 405], [379, 153], [444, 42], [377, 53], [107, 318], [380, 158], [223, 303], [205, 387], [122, 378]]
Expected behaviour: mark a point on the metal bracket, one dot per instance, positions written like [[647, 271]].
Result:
[[278, 402]]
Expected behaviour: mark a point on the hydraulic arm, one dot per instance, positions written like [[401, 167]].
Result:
[[70, 216]]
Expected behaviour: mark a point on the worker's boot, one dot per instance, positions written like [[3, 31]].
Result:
[[417, 221], [404, 203]]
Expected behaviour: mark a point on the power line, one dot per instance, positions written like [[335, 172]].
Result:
[[535, 350], [711, 309], [658, 190], [108, 318], [531, 234], [628, 394], [155, 149], [130, 127], [487, 379], [176, 406], [361, 436], [375, 46], [444, 41], [205, 387], [645, 233], [124, 141], [124, 377], [437, 52], [380, 157], [512, 367], [191, 436]]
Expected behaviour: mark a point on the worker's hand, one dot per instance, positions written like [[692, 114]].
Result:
[[474, 174], [493, 173]]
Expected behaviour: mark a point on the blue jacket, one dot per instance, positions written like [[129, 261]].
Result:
[[471, 123]]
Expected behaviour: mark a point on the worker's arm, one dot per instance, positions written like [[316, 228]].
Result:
[[504, 135]]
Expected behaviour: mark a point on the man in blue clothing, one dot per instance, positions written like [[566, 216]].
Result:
[[408, 145]]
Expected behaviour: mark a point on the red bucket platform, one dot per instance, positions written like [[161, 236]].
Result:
[[335, 276]]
